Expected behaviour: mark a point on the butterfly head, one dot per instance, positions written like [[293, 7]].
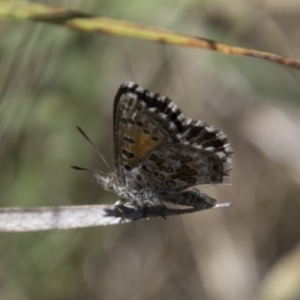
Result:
[[108, 182]]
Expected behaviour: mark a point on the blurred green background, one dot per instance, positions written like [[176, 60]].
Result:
[[53, 78]]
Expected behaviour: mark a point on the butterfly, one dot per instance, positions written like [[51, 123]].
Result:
[[159, 155]]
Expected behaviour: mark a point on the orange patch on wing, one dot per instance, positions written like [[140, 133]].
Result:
[[143, 143]]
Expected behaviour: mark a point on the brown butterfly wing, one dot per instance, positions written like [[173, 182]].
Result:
[[143, 121]]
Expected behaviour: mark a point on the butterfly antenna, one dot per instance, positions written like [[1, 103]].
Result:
[[96, 149], [85, 169]]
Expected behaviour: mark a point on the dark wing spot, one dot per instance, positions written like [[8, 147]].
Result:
[[127, 167], [139, 177], [175, 176], [123, 120], [191, 180], [169, 169], [154, 138], [192, 172], [186, 160], [206, 136], [216, 143], [173, 116], [128, 140], [139, 123], [216, 167], [216, 178], [160, 177], [161, 105], [130, 121], [160, 162], [171, 183], [194, 131], [167, 110], [177, 156], [183, 169], [151, 98], [153, 157], [182, 177], [127, 154], [145, 169], [179, 125], [130, 101], [146, 131]]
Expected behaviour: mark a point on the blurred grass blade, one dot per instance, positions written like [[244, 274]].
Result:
[[89, 23]]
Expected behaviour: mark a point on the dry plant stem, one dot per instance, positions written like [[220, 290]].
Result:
[[80, 21], [68, 217]]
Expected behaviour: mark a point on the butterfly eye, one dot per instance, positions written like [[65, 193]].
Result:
[[110, 185]]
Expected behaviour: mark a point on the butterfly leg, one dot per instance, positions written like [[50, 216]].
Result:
[[119, 204]]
